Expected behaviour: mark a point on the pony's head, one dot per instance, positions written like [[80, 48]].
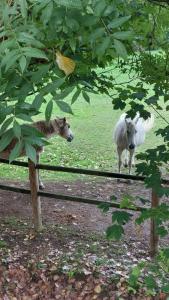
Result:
[[131, 132], [63, 129]]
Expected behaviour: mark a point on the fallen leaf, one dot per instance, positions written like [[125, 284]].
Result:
[[97, 289]]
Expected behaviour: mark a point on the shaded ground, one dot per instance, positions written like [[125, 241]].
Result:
[[88, 217], [70, 259]]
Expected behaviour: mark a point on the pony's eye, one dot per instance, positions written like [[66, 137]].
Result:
[[68, 126], [128, 131]]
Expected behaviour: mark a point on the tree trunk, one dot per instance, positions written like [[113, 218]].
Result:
[[154, 238]]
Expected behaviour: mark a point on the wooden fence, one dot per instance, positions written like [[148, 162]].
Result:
[[36, 194]]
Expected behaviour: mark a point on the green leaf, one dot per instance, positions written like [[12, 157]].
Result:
[[10, 55], [127, 202], [104, 207], [136, 271], [86, 96], [114, 232], [48, 111], [75, 96], [162, 231], [123, 35], [64, 93], [6, 139], [7, 44], [118, 22], [34, 52], [120, 49], [72, 23], [166, 253], [70, 3], [6, 124], [134, 275], [31, 152], [47, 13], [102, 47], [37, 102], [5, 15], [165, 288], [121, 217], [24, 117], [40, 73], [3, 244], [97, 33], [65, 107], [72, 44], [2, 117], [29, 40], [24, 8], [17, 129], [52, 86], [99, 8], [22, 63], [31, 131], [12, 62], [16, 151], [150, 282]]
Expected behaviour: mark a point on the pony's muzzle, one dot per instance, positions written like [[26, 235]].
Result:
[[131, 146], [70, 138]]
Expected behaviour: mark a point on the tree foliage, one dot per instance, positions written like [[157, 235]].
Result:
[[92, 33]]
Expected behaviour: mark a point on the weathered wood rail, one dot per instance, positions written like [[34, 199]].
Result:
[[36, 194]]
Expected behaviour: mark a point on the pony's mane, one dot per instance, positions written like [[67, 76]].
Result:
[[47, 128], [120, 128]]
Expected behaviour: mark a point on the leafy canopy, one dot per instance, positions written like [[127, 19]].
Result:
[[92, 33]]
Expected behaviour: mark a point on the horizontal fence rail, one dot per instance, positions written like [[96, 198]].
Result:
[[15, 163], [14, 189], [70, 198], [80, 171]]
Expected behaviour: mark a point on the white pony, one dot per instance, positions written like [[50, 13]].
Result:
[[129, 134]]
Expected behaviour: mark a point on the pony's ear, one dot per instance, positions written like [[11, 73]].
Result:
[[64, 120], [126, 120], [136, 120]]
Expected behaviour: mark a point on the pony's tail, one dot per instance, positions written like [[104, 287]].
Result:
[[148, 124]]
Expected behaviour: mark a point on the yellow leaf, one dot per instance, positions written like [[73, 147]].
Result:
[[98, 289], [66, 64]]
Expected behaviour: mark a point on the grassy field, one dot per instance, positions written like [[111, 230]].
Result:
[[92, 146]]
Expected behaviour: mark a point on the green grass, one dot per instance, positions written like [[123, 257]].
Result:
[[92, 146]]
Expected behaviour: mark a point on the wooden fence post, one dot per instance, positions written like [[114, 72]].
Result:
[[154, 238], [35, 199]]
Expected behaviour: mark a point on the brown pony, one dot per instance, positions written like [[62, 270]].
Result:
[[58, 126]]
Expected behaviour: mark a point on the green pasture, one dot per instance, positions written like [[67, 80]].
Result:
[[92, 147]]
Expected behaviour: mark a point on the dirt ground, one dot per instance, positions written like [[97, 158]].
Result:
[[71, 228], [87, 217]]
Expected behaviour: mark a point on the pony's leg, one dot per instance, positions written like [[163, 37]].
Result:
[[130, 159], [126, 159], [133, 161], [119, 151], [41, 185]]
